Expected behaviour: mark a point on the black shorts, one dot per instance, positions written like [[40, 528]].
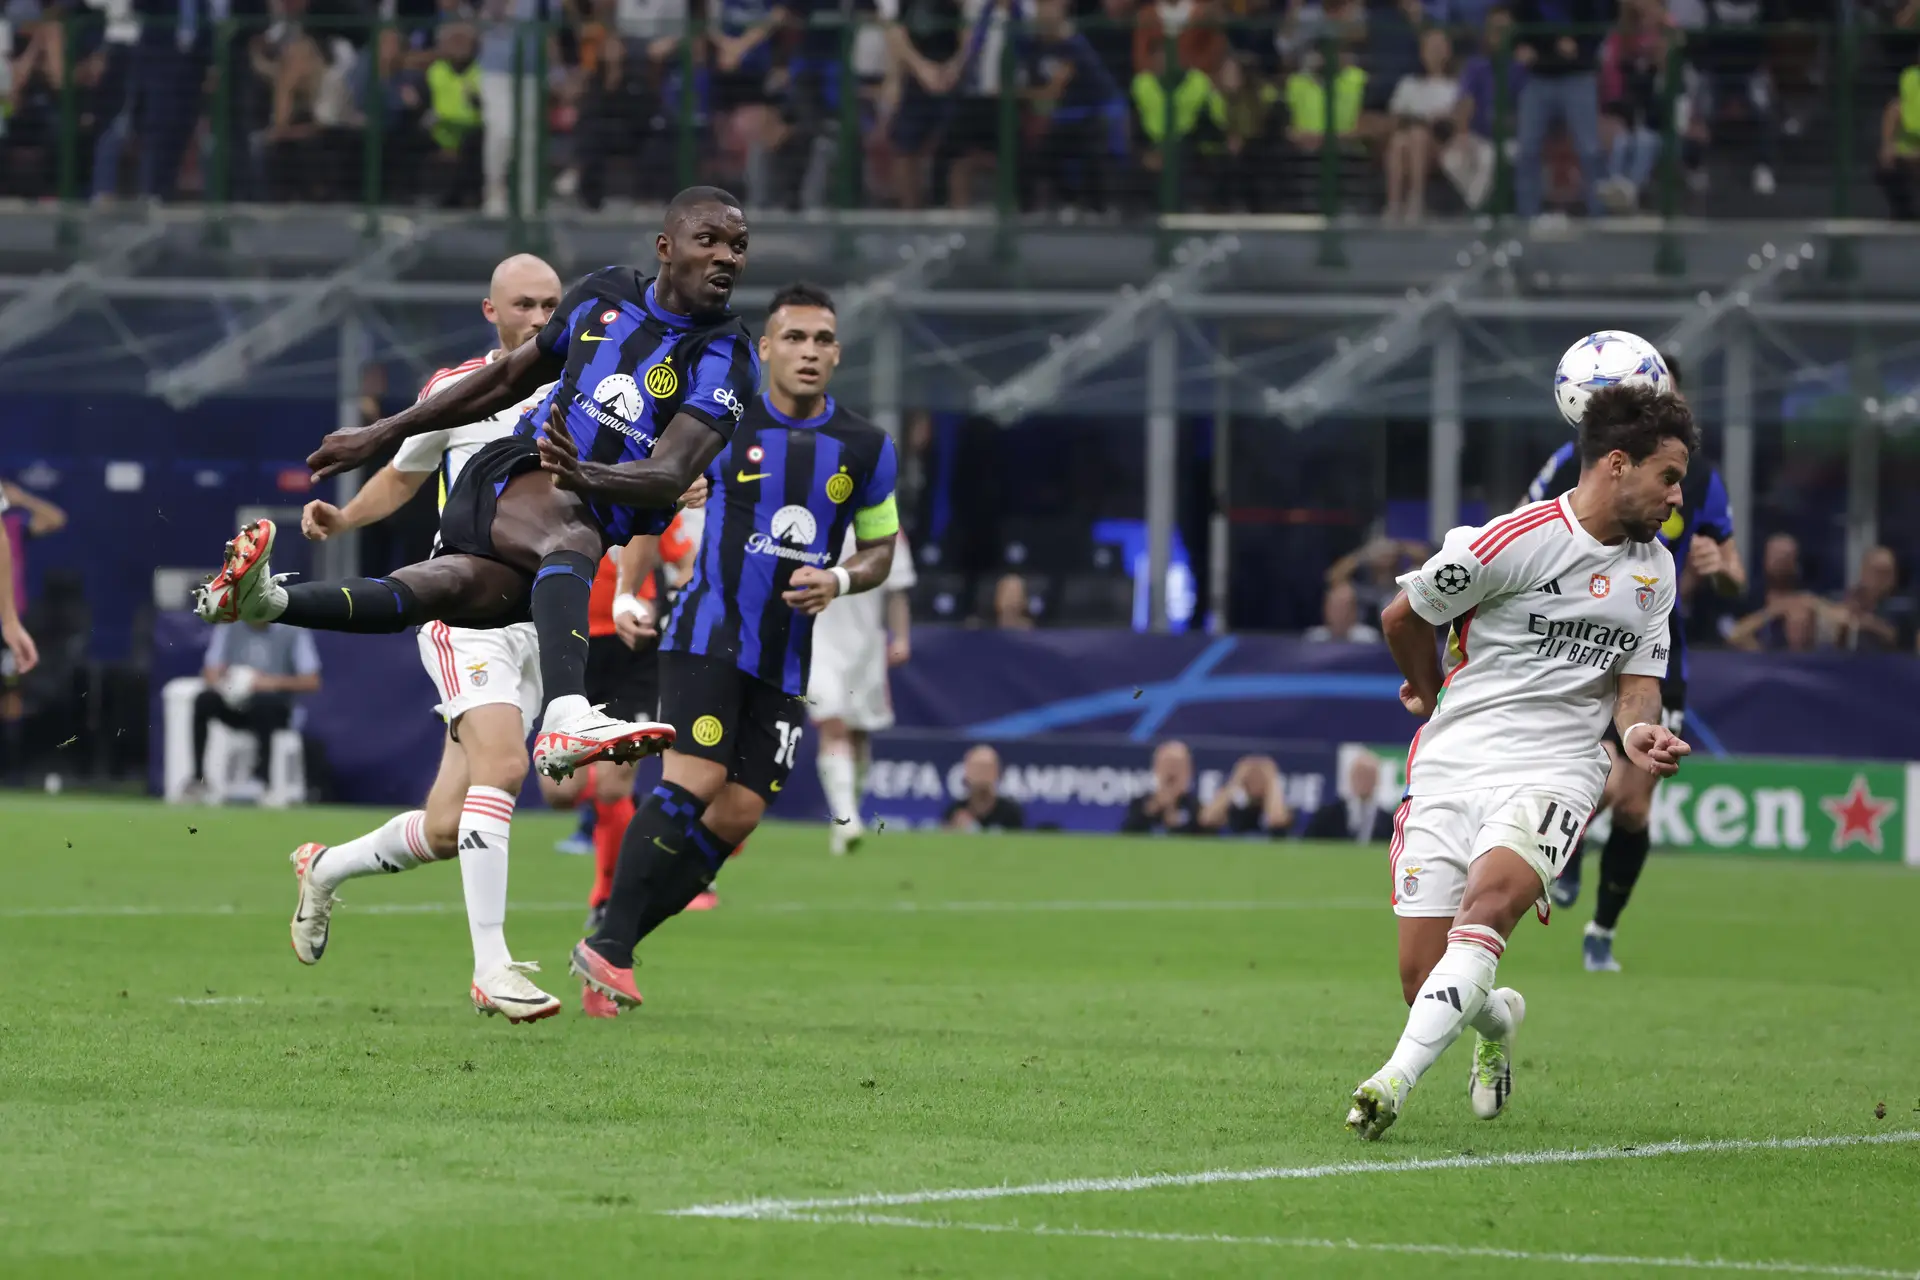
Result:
[[735, 89], [626, 681], [466, 522], [720, 713]]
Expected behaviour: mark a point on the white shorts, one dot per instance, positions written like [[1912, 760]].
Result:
[[474, 668], [851, 686], [1436, 838]]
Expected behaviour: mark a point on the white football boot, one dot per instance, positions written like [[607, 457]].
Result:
[[592, 736], [312, 909], [245, 589], [505, 990], [1490, 1080], [1376, 1105]]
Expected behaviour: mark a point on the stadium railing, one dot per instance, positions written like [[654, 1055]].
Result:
[[1834, 82]]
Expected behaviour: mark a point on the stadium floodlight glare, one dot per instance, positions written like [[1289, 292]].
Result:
[[229, 362], [1122, 326], [1356, 363]]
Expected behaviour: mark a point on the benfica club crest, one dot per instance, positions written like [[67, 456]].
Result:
[[1643, 593], [1599, 585]]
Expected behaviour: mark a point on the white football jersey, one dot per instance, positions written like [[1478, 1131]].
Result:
[[448, 451], [858, 623], [1545, 619]]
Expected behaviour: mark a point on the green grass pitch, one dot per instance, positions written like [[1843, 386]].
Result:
[[178, 1097]]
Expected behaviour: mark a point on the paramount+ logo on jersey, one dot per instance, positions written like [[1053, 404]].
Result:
[[1585, 644]]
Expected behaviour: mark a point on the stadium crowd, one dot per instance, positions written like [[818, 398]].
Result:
[[284, 100]]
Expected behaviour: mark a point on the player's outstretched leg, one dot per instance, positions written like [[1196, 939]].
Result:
[[398, 844], [1459, 992]]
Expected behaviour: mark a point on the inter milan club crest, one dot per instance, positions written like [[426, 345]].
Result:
[[1599, 584], [1643, 594]]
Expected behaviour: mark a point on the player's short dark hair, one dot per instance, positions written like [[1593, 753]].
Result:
[[1634, 420], [1673, 368], [696, 198], [800, 294]]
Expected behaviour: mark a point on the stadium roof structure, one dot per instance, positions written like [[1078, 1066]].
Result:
[[1288, 320]]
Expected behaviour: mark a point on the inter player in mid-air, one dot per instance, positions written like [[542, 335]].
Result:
[[653, 375], [488, 682], [1560, 613], [797, 476], [1700, 533]]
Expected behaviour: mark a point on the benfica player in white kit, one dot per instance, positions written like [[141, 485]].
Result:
[[489, 687], [1558, 615], [856, 639]]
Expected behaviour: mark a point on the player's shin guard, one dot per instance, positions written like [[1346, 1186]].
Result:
[[399, 844], [611, 820], [1620, 866], [370, 606], [1453, 995], [485, 821], [658, 863], [560, 592]]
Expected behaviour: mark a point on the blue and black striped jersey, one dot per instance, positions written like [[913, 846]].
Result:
[[632, 366], [785, 491]]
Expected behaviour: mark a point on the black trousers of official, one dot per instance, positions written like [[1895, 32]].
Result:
[[260, 715]]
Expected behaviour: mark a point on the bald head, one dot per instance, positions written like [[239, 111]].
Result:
[[523, 294], [980, 769]]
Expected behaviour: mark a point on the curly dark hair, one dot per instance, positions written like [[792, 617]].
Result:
[[1634, 420]]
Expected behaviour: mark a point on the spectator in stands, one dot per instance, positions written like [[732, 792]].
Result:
[[1310, 25], [970, 144], [983, 808], [167, 73], [1422, 110], [1255, 124], [1340, 619], [1726, 52], [253, 674], [1880, 616], [1373, 569], [455, 116], [1633, 66], [1077, 105], [1194, 28], [628, 53], [1799, 623], [105, 115], [309, 152], [1176, 122], [741, 51], [1011, 608], [1469, 160], [1357, 814], [1170, 808], [924, 47], [1780, 567], [1251, 802], [509, 54], [1560, 48], [1307, 102], [1390, 53], [1111, 36], [1900, 145]]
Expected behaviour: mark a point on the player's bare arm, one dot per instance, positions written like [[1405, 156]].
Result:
[[633, 618], [814, 589], [12, 632], [680, 457], [378, 498], [899, 628], [1637, 715], [1415, 647], [481, 394]]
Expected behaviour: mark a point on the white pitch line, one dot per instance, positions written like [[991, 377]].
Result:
[[1152, 1182], [772, 908], [1761, 1265]]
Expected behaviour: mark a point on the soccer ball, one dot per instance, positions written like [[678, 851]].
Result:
[[1609, 358]]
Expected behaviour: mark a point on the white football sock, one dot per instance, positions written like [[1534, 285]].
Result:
[[399, 844], [564, 710], [485, 820], [862, 761], [1452, 996], [836, 779]]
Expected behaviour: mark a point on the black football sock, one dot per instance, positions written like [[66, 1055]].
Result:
[[560, 593], [674, 895], [658, 863], [1620, 864], [370, 606]]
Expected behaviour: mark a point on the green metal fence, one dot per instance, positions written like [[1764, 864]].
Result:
[[1833, 86]]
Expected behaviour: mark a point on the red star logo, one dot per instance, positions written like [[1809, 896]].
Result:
[[1857, 815]]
